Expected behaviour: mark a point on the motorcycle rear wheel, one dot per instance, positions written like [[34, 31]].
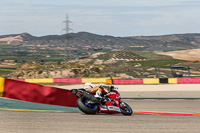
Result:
[[85, 107], [125, 108]]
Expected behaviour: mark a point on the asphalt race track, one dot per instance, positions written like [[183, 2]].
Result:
[[55, 122], [38, 122], [23, 117]]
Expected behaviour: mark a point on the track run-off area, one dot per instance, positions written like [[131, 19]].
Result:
[[157, 108]]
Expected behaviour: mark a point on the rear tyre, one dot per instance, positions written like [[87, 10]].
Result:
[[85, 107], [125, 108]]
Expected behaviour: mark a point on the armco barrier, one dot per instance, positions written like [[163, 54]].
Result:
[[151, 81], [19, 80], [67, 80], [172, 80], [94, 80], [188, 80], [2, 80], [109, 81], [127, 81], [36, 93], [115, 81], [163, 80], [47, 80]]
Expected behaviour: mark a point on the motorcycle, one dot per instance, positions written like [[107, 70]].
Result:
[[110, 103]]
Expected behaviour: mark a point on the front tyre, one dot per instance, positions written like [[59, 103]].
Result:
[[125, 108], [84, 105]]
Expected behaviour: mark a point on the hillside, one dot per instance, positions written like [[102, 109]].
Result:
[[87, 40], [127, 64], [54, 49]]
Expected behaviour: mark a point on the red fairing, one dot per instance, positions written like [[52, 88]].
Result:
[[111, 107], [109, 103], [38, 93], [116, 92]]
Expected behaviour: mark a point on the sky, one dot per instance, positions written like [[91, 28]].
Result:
[[106, 17]]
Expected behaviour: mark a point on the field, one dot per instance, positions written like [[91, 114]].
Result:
[[4, 70], [127, 64], [190, 55]]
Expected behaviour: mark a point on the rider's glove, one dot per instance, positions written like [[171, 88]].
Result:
[[103, 99], [74, 91], [101, 87]]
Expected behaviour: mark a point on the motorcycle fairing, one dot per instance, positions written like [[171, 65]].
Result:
[[109, 109]]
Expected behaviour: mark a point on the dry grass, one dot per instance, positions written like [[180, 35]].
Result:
[[190, 55]]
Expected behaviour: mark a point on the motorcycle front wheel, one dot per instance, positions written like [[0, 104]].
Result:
[[125, 108], [87, 108]]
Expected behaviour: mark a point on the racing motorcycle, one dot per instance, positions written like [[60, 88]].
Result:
[[110, 103]]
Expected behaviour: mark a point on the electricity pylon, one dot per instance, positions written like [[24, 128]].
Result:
[[67, 29]]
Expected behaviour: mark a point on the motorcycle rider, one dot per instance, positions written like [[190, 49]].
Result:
[[97, 89]]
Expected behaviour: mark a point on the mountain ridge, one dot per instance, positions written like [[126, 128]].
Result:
[[80, 39]]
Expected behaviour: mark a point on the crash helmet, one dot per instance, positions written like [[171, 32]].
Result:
[[111, 88], [88, 85]]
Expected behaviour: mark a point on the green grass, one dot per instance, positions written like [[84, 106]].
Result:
[[9, 69], [142, 54], [4, 46], [4, 72], [152, 56], [157, 63]]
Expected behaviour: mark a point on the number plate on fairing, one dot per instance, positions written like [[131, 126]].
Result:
[[79, 94], [110, 108]]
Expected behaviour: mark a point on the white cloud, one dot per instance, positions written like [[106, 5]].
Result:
[[109, 17]]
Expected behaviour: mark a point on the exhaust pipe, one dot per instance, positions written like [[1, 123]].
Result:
[[90, 97]]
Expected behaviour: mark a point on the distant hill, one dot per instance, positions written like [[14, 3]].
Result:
[[88, 40]]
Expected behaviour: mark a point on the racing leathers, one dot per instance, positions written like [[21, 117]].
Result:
[[97, 89]]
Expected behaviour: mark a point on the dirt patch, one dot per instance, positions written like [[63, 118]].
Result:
[[190, 55], [11, 39]]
